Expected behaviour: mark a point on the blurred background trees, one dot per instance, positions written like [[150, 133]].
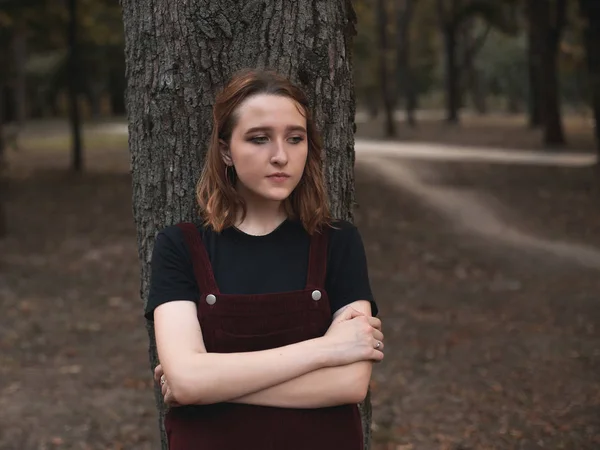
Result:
[[510, 56], [499, 55]]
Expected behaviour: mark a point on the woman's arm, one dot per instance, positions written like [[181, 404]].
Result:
[[330, 386], [197, 377]]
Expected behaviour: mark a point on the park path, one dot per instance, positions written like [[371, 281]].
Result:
[[470, 210]]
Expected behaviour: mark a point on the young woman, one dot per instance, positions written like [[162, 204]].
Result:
[[263, 312]]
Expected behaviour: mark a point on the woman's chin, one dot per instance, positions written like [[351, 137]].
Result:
[[275, 195]]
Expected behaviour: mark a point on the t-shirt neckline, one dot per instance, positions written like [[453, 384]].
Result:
[[258, 236]]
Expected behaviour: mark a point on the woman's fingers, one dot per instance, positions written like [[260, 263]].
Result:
[[350, 313], [375, 322], [378, 335], [158, 372]]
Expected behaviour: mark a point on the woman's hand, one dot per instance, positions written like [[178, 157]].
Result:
[[159, 378], [354, 336]]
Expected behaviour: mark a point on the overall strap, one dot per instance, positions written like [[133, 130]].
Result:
[[202, 266], [317, 258]]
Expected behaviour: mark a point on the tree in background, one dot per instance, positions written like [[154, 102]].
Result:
[[405, 80], [74, 84], [387, 91], [590, 12], [12, 43], [503, 66], [365, 68], [453, 16], [534, 48], [548, 18], [180, 52]]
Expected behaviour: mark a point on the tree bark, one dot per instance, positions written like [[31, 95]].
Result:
[[180, 52], [387, 97], [590, 12]]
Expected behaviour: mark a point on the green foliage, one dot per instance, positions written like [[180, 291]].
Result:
[[502, 63]]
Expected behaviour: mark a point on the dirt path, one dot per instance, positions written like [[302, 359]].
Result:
[[473, 211]]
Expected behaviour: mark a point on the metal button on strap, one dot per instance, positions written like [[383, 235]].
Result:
[[211, 299], [316, 295]]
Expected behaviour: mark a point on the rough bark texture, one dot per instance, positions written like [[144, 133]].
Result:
[[180, 52]]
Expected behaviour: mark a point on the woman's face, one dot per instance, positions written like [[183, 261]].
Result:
[[268, 147]]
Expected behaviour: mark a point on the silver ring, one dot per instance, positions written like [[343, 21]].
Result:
[[378, 344]]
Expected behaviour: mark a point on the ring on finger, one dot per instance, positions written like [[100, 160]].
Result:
[[378, 344]]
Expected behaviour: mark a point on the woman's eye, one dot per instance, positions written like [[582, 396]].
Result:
[[296, 139], [259, 139]]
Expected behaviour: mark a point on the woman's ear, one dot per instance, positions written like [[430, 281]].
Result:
[[225, 152]]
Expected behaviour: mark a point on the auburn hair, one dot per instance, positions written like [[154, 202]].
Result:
[[217, 197]]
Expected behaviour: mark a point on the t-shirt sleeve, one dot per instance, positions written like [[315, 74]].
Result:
[[171, 273], [347, 272]]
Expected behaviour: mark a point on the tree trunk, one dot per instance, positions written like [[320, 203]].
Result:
[[180, 52], [387, 97], [452, 76], [590, 12], [534, 65], [548, 17], [404, 76], [74, 80], [469, 77]]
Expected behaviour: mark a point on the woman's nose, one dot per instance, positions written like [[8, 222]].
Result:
[[279, 153]]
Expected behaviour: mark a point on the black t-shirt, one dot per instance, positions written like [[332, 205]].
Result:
[[245, 264]]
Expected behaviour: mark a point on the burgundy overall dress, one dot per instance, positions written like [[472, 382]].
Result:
[[246, 323]]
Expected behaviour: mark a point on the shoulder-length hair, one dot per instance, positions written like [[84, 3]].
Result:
[[215, 192]]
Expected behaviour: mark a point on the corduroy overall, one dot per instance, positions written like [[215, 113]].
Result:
[[247, 323]]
